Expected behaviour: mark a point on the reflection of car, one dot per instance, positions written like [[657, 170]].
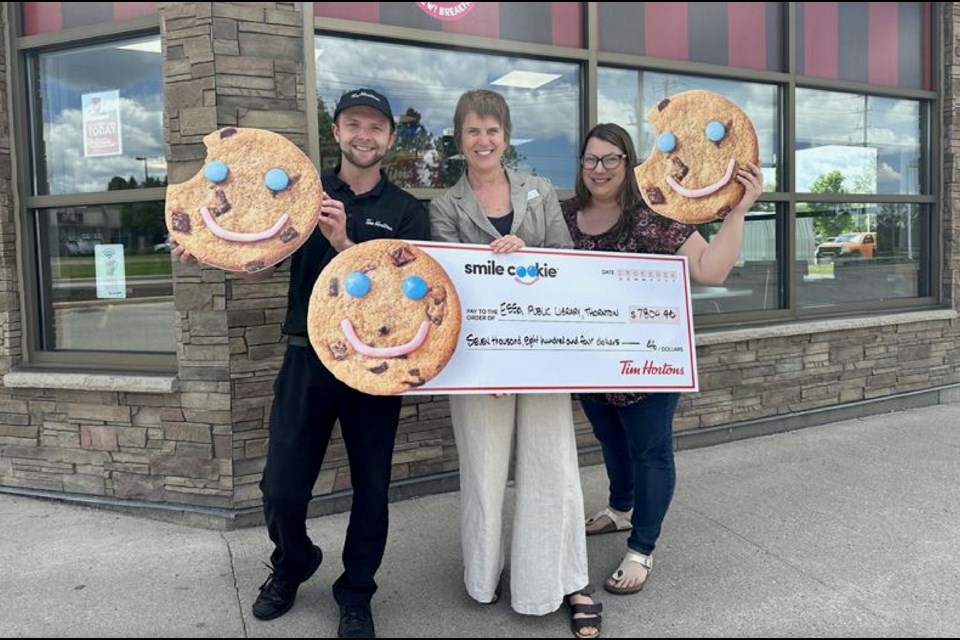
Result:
[[848, 245], [84, 245], [162, 247]]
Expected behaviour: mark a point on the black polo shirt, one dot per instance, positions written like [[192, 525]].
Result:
[[386, 211]]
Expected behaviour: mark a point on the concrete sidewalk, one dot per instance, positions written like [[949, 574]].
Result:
[[848, 529]]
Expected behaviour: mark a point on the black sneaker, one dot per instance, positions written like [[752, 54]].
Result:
[[278, 594], [356, 621]]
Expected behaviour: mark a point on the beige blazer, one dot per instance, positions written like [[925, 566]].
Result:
[[456, 216]]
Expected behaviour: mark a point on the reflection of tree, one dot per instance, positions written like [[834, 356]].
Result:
[[895, 230], [829, 226], [414, 160], [142, 222], [329, 151]]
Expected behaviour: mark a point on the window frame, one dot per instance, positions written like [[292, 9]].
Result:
[[337, 27], [589, 57], [25, 50], [785, 200]]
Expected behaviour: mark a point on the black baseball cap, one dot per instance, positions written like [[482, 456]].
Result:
[[365, 98]]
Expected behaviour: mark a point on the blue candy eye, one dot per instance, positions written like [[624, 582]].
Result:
[[666, 142], [357, 284], [215, 171], [715, 131], [414, 287], [521, 272], [277, 180]]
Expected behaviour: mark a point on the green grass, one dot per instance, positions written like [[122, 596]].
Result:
[[820, 269], [152, 264]]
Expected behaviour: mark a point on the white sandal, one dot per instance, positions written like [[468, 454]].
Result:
[[631, 557], [617, 522]]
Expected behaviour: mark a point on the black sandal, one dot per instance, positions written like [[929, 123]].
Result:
[[592, 610]]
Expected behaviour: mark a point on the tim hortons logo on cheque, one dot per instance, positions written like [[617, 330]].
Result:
[[649, 368]]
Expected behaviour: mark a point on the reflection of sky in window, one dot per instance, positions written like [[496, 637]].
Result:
[[65, 77], [619, 91], [834, 128], [432, 80]]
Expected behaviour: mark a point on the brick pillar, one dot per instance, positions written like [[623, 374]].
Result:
[[230, 64], [10, 323]]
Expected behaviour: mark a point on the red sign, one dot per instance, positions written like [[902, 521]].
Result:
[[447, 10]]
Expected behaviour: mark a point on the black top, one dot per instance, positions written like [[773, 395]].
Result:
[[503, 223], [386, 211]]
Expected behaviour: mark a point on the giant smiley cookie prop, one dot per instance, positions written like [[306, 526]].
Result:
[[384, 317], [255, 202], [702, 140]]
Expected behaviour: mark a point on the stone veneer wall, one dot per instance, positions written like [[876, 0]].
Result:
[[204, 445], [950, 189], [230, 64]]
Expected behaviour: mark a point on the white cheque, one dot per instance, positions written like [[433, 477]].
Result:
[[547, 320]]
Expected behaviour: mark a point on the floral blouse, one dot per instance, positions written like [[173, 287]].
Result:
[[651, 233]]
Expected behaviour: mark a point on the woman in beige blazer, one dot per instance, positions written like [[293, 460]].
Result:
[[509, 210]]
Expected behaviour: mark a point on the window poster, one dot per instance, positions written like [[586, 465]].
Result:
[[110, 271], [101, 124]]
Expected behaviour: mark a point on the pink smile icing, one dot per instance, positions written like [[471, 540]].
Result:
[[237, 236], [384, 352], [703, 191]]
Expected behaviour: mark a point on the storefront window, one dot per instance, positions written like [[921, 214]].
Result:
[[754, 282], [625, 96], [103, 267], [855, 143], [105, 278], [863, 253], [98, 117], [424, 84]]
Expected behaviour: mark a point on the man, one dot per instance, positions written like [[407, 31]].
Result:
[[359, 204]]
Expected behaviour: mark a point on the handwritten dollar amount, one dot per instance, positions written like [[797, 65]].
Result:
[[654, 314]]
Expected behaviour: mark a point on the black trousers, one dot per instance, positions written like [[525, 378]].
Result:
[[308, 400]]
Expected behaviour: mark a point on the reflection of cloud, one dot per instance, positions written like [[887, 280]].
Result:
[[431, 81], [858, 165], [887, 172], [70, 172], [829, 117]]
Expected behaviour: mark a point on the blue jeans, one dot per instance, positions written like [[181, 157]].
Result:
[[637, 443]]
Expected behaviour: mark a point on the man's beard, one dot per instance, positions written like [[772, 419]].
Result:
[[349, 154]]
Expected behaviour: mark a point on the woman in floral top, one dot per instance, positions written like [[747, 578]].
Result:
[[636, 430]]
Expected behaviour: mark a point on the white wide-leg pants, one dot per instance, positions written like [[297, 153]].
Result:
[[549, 548]]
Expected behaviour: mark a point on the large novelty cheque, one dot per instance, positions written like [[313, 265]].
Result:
[[388, 317]]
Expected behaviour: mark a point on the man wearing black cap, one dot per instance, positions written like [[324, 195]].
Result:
[[359, 204]]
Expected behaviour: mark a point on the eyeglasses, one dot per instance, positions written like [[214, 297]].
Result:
[[609, 161]]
